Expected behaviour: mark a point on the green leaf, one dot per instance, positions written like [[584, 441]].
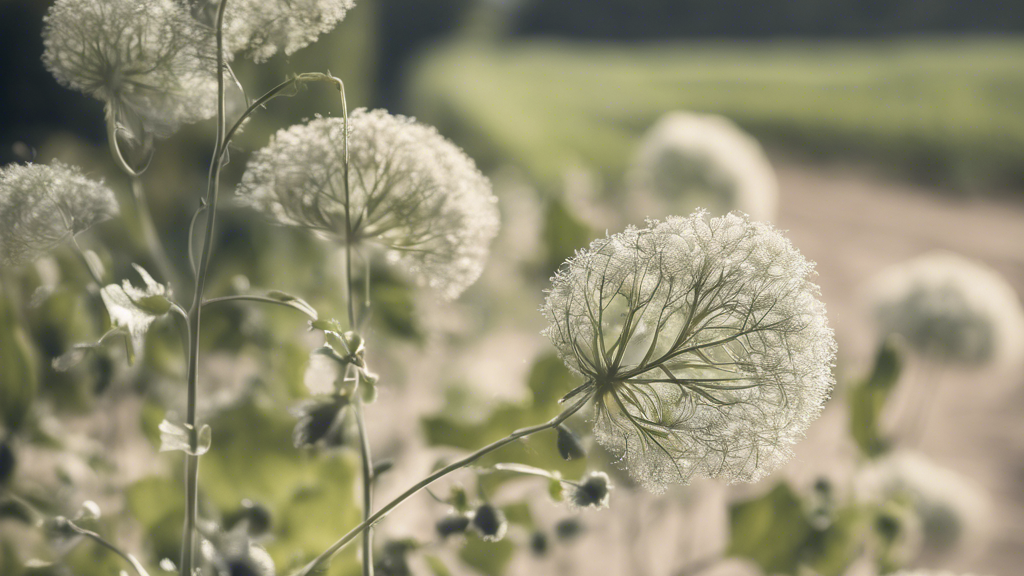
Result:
[[830, 552], [437, 566], [519, 513], [770, 531], [19, 375], [295, 302], [868, 398]]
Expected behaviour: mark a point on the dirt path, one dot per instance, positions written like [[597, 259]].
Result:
[[855, 224]]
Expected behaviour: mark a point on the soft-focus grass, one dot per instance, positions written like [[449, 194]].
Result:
[[943, 110]]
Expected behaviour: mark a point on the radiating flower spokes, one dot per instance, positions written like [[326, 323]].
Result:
[[703, 342]]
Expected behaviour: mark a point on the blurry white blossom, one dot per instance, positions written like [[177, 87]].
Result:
[[412, 192], [703, 342], [135, 309], [688, 161], [950, 308], [261, 28], [43, 206], [148, 60], [953, 511]]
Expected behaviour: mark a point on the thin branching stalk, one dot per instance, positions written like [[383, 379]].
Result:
[[103, 542], [364, 452], [458, 465], [188, 543]]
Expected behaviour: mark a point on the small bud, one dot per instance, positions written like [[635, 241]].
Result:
[[89, 511], [59, 526], [569, 444], [6, 463], [594, 491], [490, 523], [368, 391], [453, 523], [458, 498], [382, 466], [256, 516], [538, 543], [568, 529]]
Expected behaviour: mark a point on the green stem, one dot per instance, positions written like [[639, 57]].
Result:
[[364, 452], [103, 542], [188, 544], [149, 234], [377, 516]]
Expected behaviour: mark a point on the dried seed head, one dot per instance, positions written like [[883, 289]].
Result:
[[950, 308], [261, 28], [147, 59], [43, 206], [688, 161], [490, 523], [412, 192], [452, 523], [703, 343]]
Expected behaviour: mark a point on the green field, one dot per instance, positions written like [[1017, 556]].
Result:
[[948, 111]]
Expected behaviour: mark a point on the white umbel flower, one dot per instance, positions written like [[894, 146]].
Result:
[[954, 511], [950, 308], [688, 161], [43, 206], [146, 59], [703, 342], [261, 28], [412, 192]]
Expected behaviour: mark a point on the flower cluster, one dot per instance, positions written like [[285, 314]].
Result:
[[702, 341], [261, 28], [147, 59], [953, 512], [688, 161], [43, 206], [410, 191], [950, 308]]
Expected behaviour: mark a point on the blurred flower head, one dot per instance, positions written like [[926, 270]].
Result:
[[261, 28], [953, 511], [950, 308], [593, 491], [702, 341], [147, 59], [43, 206], [688, 161], [412, 193]]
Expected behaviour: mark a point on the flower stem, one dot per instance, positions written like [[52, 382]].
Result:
[[364, 445], [149, 234], [377, 516], [103, 542], [188, 543]]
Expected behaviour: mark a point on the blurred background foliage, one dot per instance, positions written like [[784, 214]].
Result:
[[549, 97]]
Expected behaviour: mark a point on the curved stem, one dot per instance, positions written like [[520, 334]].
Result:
[[149, 234], [188, 544], [261, 299], [103, 542], [367, 460], [377, 516]]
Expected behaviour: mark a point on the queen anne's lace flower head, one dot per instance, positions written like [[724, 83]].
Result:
[[688, 161], [954, 512], [950, 308], [703, 342], [147, 59], [411, 191], [43, 206], [261, 28]]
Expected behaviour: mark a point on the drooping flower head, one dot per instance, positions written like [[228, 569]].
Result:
[[954, 512], [412, 192], [146, 59], [688, 161], [950, 308], [43, 206], [702, 341], [261, 28]]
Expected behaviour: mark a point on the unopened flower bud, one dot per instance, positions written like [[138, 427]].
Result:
[[594, 491], [490, 523], [569, 444]]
